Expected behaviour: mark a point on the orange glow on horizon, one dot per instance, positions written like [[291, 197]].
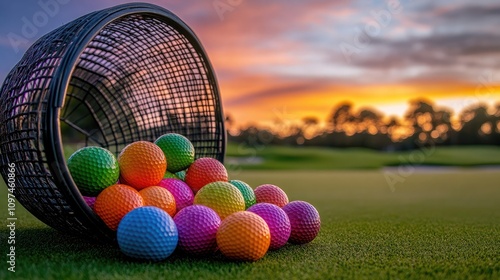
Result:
[[391, 100]]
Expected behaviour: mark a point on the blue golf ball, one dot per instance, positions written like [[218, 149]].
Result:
[[147, 233]]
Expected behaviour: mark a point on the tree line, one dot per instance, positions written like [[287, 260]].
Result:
[[423, 124]]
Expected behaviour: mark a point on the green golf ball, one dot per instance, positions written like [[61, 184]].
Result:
[[93, 169], [246, 191], [169, 174], [178, 150]]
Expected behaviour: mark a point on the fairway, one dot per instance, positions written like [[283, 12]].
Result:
[[268, 157], [430, 226]]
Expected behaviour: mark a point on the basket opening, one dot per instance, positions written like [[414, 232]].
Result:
[[136, 80]]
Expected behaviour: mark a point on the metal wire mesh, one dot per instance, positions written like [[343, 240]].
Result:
[[112, 77]]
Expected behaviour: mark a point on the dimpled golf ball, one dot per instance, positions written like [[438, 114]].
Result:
[[271, 194], [178, 150], [305, 222], [246, 191], [243, 236], [181, 191], [93, 169], [142, 164], [222, 197], [197, 226], [204, 171], [147, 233], [90, 200], [169, 174], [181, 175], [277, 220], [159, 197], [114, 202]]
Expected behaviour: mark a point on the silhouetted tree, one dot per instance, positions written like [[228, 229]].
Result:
[[423, 124], [341, 114]]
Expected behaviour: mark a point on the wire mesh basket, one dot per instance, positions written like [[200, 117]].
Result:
[[128, 73]]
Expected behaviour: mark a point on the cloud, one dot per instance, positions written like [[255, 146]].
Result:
[[433, 50], [462, 42], [274, 52], [286, 90], [471, 13]]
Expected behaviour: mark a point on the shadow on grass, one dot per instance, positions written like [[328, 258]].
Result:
[[49, 243]]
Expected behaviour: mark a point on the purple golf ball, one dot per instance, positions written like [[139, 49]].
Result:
[[90, 200], [181, 191], [277, 220], [197, 226], [305, 221]]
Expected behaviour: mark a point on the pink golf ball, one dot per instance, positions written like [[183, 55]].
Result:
[[305, 221], [90, 200], [181, 191], [197, 226], [277, 220]]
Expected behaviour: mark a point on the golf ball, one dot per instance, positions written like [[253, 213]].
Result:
[[222, 197], [204, 171], [178, 150], [169, 174], [114, 202], [305, 221], [197, 226], [246, 191], [159, 197], [181, 174], [142, 164], [147, 233], [93, 169], [181, 191], [277, 220], [243, 236], [271, 194], [90, 200]]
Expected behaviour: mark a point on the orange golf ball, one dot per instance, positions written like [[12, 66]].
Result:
[[159, 197], [243, 236], [114, 202], [142, 164]]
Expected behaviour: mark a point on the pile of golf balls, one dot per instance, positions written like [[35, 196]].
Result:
[[160, 199]]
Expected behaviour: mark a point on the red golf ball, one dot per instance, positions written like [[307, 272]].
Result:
[[305, 221], [197, 226], [182, 193], [277, 220], [271, 194], [204, 171]]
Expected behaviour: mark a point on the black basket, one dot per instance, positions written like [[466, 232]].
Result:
[[128, 73]]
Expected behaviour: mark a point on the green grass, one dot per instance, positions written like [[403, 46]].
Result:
[[431, 226], [285, 158]]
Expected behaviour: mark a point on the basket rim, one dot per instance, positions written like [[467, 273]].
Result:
[[61, 80]]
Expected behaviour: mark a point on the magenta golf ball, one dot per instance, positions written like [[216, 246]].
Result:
[[197, 226], [181, 191], [277, 220], [305, 221], [90, 200]]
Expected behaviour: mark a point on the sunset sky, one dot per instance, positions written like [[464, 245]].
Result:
[[291, 59]]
